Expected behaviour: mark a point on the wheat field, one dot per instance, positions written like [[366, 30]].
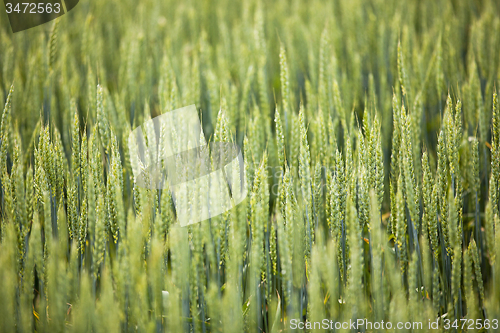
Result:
[[370, 132]]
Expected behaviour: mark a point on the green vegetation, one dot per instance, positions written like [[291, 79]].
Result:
[[371, 137]]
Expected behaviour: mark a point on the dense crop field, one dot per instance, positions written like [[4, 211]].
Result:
[[370, 131]]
